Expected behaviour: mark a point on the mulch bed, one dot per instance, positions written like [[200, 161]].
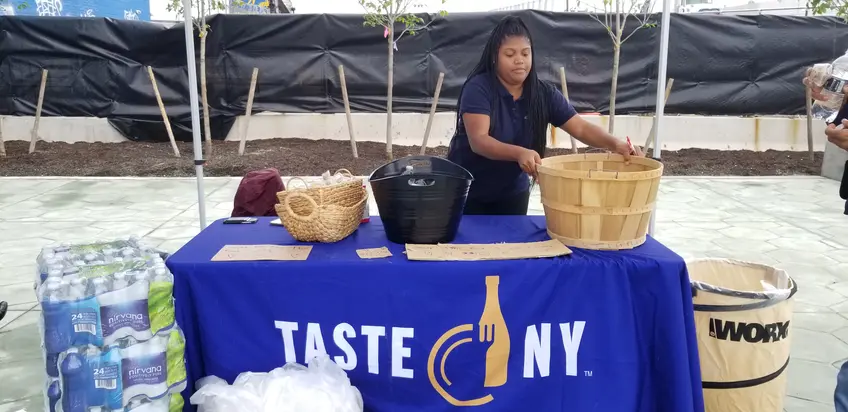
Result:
[[302, 157]]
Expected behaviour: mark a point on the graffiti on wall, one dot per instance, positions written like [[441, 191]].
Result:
[[116, 9], [250, 7]]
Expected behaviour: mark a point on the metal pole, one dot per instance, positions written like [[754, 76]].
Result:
[[195, 112], [661, 76]]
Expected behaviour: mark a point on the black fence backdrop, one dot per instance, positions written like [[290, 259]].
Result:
[[722, 65]]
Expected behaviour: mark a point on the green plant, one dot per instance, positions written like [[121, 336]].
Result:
[[838, 7], [387, 14], [616, 13]]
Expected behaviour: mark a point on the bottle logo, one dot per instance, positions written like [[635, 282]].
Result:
[[834, 85], [493, 331]]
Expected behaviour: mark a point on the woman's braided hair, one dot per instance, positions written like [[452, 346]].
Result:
[[535, 90]]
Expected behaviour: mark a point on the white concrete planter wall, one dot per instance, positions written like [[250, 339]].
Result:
[[679, 132]]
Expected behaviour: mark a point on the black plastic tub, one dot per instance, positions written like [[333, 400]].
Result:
[[421, 198]]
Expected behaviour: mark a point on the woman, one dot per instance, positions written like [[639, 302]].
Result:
[[502, 121]]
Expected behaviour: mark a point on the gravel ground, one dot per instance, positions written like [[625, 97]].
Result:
[[302, 157]]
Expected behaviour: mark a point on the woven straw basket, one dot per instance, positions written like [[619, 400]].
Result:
[[595, 201], [324, 214]]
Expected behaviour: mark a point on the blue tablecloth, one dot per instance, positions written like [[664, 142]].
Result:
[[593, 331]]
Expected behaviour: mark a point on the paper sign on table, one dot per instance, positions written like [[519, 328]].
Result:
[[495, 251], [375, 253], [277, 222], [237, 253]]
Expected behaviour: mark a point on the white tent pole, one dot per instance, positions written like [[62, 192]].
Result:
[[195, 112], [661, 76]]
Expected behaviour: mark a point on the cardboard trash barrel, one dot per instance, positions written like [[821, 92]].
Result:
[[742, 315], [596, 201]]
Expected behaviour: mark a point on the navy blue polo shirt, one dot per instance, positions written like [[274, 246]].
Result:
[[494, 179]]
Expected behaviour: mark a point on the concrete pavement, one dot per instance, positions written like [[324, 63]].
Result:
[[795, 223]]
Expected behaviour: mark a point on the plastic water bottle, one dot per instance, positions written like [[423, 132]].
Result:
[[54, 273], [140, 276], [70, 273], [56, 335], [65, 288], [145, 367], [98, 286], [161, 275], [74, 393], [128, 252], [832, 79], [58, 331], [366, 213], [119, 281], [53, 394], [112, 378], [77, 289]]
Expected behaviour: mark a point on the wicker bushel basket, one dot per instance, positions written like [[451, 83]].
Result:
[[324, 214], [595, 201]]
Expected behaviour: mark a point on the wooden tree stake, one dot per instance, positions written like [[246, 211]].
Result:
[[34, 136], [347, 112], [432, 112], [248, 110], [553, 135], [565, 93], [164, 113], [2, 143], [653, 132]]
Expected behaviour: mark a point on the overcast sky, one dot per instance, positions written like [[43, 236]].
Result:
[[158, 7]]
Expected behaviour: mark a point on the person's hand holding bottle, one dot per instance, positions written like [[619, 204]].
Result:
[[814, 78]]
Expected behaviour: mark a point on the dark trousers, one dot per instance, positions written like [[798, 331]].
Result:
[[507, 205], [840, 397]]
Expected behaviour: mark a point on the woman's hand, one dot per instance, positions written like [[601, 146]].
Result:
[[625, 149], [594, 136], [529, 160]]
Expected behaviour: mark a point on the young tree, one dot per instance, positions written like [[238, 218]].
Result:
[[388, 13], [620, 11], [204, 9], [838, 7]]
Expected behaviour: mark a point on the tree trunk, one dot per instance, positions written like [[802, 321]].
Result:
[[391, 38], [615, 59], [614, 87], [207, 129]]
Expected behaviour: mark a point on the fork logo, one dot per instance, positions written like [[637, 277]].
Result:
[[493, 330]]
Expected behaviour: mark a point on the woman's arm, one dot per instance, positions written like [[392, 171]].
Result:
[[477, 128], [566, 118], [590, 134], [476, 110]]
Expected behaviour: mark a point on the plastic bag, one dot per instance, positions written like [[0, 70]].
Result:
[[321, 387]]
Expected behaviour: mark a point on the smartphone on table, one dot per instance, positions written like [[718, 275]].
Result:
[[240, 220]]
